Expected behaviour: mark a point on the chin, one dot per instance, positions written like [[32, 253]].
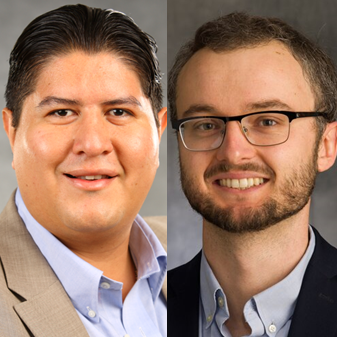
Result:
[[93, 221]]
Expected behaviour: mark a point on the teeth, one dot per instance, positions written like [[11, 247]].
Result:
[[257, 181], [235, 183], [241, 184], [93, 177]]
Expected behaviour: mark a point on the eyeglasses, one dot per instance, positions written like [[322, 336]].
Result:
[[265, 128]]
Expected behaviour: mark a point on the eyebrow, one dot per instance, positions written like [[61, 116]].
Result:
[[270, 104], [198, 108], [256, 106], [53, 100], [130, 100]]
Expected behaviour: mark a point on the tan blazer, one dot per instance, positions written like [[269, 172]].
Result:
[[32, 299]]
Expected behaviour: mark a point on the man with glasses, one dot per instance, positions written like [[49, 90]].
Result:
[[254, 105]]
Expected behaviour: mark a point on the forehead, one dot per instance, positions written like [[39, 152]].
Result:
[[235, 80], [88, 76]]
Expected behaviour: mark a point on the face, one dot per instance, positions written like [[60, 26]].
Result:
[[276, 181], [86, 149]]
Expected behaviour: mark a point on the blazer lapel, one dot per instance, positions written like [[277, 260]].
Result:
[[183, 299], [51, 313], [316, 310], [45, 307]]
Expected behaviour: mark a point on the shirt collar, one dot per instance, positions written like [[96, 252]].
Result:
[[210, 291], [81, 280], [148, 255], [284, 293]]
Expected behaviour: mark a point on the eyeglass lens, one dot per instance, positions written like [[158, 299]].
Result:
[[263, 129]]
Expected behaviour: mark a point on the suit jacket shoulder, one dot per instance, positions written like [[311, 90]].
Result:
[[183, 299], [316, 309], [32, 300]]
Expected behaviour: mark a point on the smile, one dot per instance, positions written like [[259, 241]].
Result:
[[241, 184], [90, 178], [91, 182]]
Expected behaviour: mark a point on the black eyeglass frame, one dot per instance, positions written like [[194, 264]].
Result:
[[290, 114]]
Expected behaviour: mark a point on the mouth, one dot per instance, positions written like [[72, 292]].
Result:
[[89, 178], [241, 184], [91, 181]]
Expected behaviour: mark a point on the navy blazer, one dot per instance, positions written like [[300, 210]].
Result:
[[315, 312]]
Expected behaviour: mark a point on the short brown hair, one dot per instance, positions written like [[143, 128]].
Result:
[[240, 30]]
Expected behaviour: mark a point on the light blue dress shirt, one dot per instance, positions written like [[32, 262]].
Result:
[[268, 313], [98, 299]]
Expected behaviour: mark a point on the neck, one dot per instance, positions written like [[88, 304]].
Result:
[[246, 264], [109, 253]]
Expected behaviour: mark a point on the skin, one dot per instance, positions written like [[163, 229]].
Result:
[[262, 78], [98, 123]]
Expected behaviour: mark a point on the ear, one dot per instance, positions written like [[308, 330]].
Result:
[[328, 148], [7, 118], [162, 118]]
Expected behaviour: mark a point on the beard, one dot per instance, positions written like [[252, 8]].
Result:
[[289, 200]]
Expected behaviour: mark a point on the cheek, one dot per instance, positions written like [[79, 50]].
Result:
[[288, 158], [37, 149], [193, 164], [139, 151]]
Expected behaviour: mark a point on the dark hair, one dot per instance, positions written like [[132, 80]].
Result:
[[78, 27], [240, 30]]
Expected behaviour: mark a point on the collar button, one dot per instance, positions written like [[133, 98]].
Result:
[[272, 328], [105, 285]]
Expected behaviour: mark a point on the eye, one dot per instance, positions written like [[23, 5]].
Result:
[[62, 113], [265, 122], [119, 113], [268, 122], [206, 126]]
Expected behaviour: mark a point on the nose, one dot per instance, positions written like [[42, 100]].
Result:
[[93, 136], [235, 148]]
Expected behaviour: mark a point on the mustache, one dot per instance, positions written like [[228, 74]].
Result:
[[224, 167]]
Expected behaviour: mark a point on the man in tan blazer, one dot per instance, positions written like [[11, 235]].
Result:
[[84, 118]]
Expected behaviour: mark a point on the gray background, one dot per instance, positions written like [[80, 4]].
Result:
[[15, 15], [316, 19]]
